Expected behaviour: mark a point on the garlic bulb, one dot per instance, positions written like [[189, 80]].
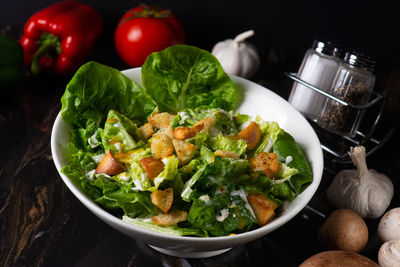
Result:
[[236, 56], [363, 190], [389, 254]]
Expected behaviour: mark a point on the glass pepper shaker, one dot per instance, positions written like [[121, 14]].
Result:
[[353, 83], [318, 68]]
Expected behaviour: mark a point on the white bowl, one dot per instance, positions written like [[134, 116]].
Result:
[[257, 100]]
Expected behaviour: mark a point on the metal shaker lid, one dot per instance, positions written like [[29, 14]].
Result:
[[360, 60], [327, 48]]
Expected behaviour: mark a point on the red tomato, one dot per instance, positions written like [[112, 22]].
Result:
[[144, 30]]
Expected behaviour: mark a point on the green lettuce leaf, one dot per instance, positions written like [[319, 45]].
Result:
[[285, 146], [221, 142], [173, 230], [95, 89], [221, 214], [183, 76], [119, 133]]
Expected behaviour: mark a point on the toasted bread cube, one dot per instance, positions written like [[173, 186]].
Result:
[[185, 151], [251, 134], [109, 165], [152, 166], [146, 131], [207, 124], [263, 208], [265, 162], [226, 154], [161, 120], [161, 146], [168, 131], [182, 133], [163, 199], [170, 218]]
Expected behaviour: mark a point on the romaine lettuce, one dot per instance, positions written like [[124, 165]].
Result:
[[183, 76]]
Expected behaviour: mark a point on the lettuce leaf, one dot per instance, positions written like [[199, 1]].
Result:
[[184, 76], [285, 146], [221, 214], [119, 132], [95, 89], [221, 142]]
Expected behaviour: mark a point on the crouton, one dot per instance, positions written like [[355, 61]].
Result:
[[161, 120], [168, 131], [152, 166], [251, 134], [226, 154], [185, 151], [265, 162], [170, 218], [207, 124], [163, 199], [161, 146], [182, 133], [263, 208], [146, 131], [109, 165]]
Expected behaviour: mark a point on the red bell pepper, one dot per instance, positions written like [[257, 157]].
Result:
[[58, 38]]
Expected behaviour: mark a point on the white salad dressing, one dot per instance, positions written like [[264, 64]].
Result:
[[226, 113], [223, 216], [270, 144], [184, 116], [98, 158], [118, 146], [243, 195], [206, 199], [93, 141], [90, 175], [288, 159], [124, 176]]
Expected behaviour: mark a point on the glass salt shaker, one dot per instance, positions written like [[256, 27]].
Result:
[[318, 68], [353, 83]]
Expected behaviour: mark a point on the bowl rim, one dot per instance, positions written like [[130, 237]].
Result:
[[237, 238]]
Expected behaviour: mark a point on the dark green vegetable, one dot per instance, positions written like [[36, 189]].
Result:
[[11, 56], [184, 76], [284, 146], [95, 89]]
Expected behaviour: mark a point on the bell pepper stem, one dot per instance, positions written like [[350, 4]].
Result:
[[46, 46]]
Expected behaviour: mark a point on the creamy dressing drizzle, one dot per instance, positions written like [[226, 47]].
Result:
[[93, 141], [243, 195], [269, 145], [223, 216], [288, 159]]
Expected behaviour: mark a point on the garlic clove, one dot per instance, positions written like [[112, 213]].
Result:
[[389, 254]]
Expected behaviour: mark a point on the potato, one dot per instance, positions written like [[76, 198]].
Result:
[[344, 230], [338, 259]]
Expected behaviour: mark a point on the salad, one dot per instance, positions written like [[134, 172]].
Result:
[[172, 156]]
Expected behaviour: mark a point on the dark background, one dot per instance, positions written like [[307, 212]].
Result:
[[287, 25], [43, 224]]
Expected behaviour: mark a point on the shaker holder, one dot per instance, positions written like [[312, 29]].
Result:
[[360, 138]]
